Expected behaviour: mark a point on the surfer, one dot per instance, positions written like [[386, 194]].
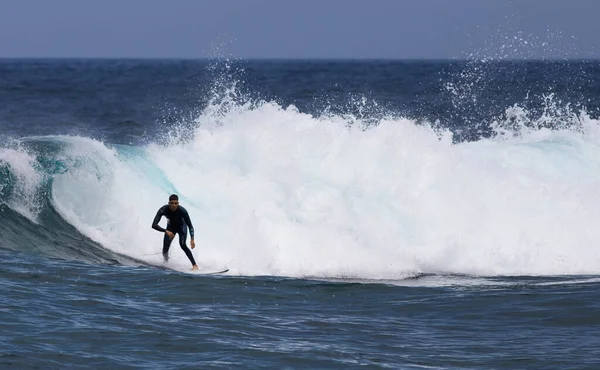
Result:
[[178, 223]]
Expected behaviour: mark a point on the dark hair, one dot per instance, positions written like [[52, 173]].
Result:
[[173, 197]]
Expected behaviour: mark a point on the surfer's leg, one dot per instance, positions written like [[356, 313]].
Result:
[[166, 245], [182, 239]]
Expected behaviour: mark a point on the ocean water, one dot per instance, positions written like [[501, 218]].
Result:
[[378, 214]]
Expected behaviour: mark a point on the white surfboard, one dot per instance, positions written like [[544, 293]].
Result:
[[209, 272], [201, 271]]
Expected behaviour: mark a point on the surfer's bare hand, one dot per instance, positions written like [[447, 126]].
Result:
[[170, 234], [193, 244]]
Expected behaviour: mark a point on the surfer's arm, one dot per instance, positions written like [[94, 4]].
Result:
[[186, 218], [155, 224]]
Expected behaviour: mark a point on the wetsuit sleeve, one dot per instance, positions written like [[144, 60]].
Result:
[[186, 218], [155, 224]]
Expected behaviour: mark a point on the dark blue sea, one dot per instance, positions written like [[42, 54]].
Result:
[[372, 214]]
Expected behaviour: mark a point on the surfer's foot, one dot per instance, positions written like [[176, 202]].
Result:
[[195, 267]]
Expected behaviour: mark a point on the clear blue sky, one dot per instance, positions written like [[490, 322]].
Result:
[[300, 28]]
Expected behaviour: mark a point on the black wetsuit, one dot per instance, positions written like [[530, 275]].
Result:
[[179, 222]]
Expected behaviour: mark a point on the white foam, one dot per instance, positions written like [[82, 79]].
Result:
[[277, 192]]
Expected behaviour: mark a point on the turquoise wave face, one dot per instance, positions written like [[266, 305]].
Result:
[[29, 218], [51, 156], [139, 161]]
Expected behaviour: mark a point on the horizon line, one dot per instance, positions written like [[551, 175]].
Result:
[[363, 59]]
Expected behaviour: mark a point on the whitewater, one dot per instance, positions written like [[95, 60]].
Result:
[[274, 191]]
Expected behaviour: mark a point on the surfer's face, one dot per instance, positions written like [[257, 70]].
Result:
[[173, 204]]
